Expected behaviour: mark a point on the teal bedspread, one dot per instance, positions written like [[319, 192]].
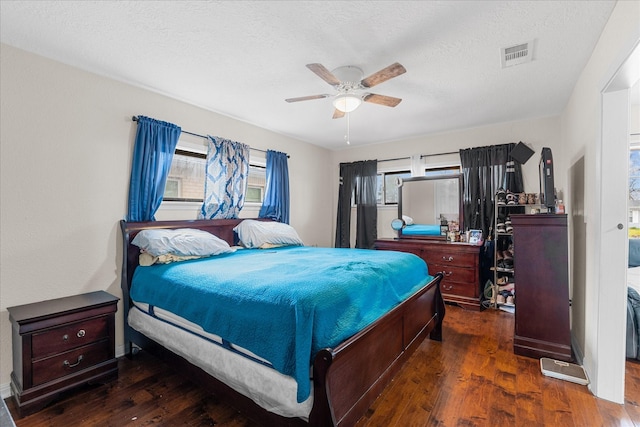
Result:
[[284, 304]]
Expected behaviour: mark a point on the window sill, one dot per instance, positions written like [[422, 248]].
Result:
[[180, 206]]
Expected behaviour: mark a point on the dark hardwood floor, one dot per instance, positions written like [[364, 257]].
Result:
[[472, 378]]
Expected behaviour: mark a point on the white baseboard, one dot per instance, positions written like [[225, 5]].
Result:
[[5, 389], [119, 351], [577, 351]]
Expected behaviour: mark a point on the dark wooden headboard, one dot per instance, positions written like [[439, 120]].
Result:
[[223, 228]]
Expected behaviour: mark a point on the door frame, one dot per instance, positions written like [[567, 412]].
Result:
[[611, 251]]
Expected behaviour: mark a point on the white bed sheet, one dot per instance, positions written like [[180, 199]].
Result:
[[267, 387]]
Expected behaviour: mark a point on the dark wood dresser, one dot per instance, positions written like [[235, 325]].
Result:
[[541, 268], [61, 344], [458, 262]]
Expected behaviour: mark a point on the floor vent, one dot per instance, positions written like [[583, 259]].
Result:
[[515, 55]]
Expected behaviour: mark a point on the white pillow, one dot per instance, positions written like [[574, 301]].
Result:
[[181, 242], [407, 220], [264, 234]]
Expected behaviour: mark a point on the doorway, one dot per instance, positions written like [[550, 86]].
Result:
[[612, 150]]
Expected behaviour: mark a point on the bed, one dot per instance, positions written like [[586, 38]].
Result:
[[344, 378]]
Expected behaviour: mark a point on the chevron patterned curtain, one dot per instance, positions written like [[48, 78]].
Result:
[[225, 184]]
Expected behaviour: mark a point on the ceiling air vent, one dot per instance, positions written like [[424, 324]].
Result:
[[518, 54]]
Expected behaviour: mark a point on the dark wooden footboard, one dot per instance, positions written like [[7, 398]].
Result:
[[347, 379]]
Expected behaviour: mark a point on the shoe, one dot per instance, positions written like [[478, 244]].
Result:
[[509, 299], [508, 259], [501, 196], [531, 199], [511, 198], [500, 226], [507, 287], [522, 198], [508, 226], [501, 299]]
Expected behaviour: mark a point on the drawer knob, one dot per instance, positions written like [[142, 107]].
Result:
[[68, 364], [81, 333], [447, 274], [65, 337], [449, 258]]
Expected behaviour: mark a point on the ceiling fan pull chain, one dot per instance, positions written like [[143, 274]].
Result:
[[348, 130]]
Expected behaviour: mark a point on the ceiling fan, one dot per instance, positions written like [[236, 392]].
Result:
[[348, 81]]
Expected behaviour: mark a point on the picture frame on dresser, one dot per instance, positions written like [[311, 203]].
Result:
[[475, 237]]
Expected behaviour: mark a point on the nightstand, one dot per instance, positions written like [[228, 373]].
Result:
[[61, 344]]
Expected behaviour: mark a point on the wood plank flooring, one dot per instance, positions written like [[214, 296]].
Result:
[[472, 378]]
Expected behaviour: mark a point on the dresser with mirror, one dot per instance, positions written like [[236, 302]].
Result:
[[429, 213]]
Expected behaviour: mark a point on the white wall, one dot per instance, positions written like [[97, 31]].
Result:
[[66, 144], [581, 136], [65, 152], [536, 133]]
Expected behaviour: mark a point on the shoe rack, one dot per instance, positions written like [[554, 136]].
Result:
[[503, 295]]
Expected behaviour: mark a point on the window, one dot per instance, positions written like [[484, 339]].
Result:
[[256, 185], [185, 182], [387, 191], [634, 189], [448, 170], [172, 188]]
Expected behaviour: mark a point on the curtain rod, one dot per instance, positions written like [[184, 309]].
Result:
[[421, 156], [391, 160], [135, 119], [439, 154]]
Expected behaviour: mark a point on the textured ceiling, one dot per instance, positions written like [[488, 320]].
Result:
[[243, 58]]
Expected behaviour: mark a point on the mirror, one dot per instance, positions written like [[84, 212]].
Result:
[[424, 201]]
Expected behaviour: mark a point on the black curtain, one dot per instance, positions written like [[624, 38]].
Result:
[[358, 179], [485, 170]]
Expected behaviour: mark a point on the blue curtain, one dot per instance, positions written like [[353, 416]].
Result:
[[276, 197], [152, 155], [226, 176]]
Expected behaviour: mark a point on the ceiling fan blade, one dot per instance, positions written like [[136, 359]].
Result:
[[307, 98], [383, 75], [324, 74], [388, 101], [337, 114]]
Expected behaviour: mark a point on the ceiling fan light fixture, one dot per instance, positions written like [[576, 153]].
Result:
[[347, 102]]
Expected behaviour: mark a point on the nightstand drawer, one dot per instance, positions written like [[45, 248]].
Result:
[[70, 362], [68, 337]]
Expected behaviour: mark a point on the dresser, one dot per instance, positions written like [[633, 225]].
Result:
[[458, 262], [541, 275], [61, 344]]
